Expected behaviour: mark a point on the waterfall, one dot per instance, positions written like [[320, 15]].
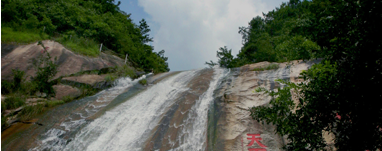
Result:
[[134, 122], [54, 139], [195, 134]]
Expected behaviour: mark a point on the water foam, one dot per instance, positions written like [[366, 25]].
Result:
[[54, 139], [125, 126]]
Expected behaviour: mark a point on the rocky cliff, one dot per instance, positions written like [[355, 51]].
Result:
[[230, 124], [21, 57]]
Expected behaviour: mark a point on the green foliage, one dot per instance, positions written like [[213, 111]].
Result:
[[18, 84], [120, 71], [87, 90], [82, 26], [54, 103], [296, 48], [13, 102], [80, 45], [211, 63], [4, 123], [225, 58], [67, 99], [46, 70], [298, 121], [340, 94], [124, 71], [17, 79], [28, 112], [279, 36], [143, 81], [6, 87], [10, 35], [110, 78]]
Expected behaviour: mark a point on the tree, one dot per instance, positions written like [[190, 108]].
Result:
[[225, 57], [340, 94], [211, 63], [144, 28]]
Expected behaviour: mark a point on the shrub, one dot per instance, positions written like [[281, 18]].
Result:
[[17, 79], [143, 81], [110, 78], [67, 98], [13, 102], [124, 71], [46, 70], [29, 88], [6, 87]]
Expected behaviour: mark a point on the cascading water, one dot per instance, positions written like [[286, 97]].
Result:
[[203, 109], [195, 134], [53, 138], [129, 125]]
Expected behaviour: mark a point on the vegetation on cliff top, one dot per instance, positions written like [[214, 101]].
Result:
[[341, 93], [82, 26]]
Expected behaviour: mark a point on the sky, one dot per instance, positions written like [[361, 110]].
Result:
[[191, 31]]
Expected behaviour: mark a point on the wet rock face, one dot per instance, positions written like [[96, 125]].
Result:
[[69, 63], [168, 130], [230, 124], [65, 90]]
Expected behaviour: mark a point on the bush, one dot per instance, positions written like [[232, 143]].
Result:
[[46, 70], [13, 102], [67, 99], [29, 88], [110, 78], [124, 71], [6, 87], [143, 81], [17, 79]]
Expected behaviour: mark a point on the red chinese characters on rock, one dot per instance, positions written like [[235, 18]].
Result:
[[253, 138]]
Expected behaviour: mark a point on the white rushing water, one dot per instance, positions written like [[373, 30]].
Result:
[[193, 137], [123, 127], [52, 139], [128, 125]]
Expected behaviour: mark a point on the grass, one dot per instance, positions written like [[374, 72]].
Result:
[[120, 71], [269, 67], [9, 35], [83, 46], [87, 47], [13, 102], [110, 78], [67, 99], [124, 71], [54, 103], [28, 112]]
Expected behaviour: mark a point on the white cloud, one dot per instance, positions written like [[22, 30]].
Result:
[[191, 31]]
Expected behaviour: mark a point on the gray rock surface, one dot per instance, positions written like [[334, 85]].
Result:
[[65, 90], [233, 123], [69, 63]]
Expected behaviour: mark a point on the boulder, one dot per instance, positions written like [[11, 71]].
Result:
[[66, 90], [68, 62]]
